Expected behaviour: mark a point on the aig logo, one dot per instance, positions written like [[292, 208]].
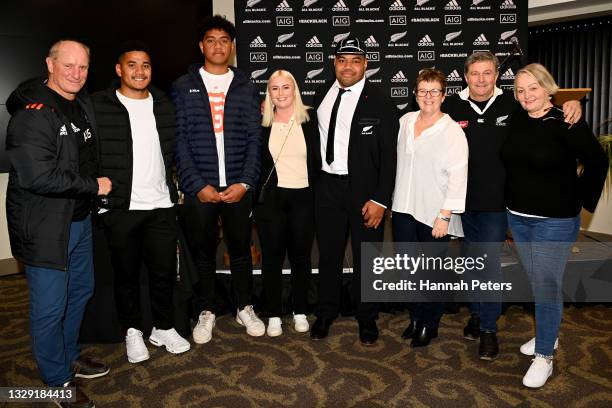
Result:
[[397, 20], [427, 56], [507, 18], [450, 19], [373, 56], [258, 57], [341, 21], [399, 92], [452, 90], [284, 21], [314, 57]]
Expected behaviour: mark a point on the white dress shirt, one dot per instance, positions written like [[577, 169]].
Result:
[[346, 111], [431, 171]]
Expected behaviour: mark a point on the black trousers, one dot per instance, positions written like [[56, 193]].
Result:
[[285, 222], [407, 229], [138, 236], [335, 217], [201, 228]]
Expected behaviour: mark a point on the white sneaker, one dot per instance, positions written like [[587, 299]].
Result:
[[247, 317], [135, 346], [202, 332], [529, 348], [173, 341], [300, 323], [538, 373], [274, 327]]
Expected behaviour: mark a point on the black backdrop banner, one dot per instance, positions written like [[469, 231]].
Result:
[[401, 37]]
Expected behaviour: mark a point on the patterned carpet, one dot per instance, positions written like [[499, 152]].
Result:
[[235, 370]]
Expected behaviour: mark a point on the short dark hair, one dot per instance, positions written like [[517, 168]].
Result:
[[430, 75], [216, 22], [132, 45]]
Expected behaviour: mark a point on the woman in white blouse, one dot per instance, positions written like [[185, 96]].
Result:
[[430, 187], [284, 214]]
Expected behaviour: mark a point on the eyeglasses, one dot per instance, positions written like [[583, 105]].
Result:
[[211, 42], [423, 92]]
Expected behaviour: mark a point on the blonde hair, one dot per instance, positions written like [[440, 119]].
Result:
[[540, 74], [300, 111]]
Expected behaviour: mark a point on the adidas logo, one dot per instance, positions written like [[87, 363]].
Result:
[[314, 42], [63, 131], [340, 6], [258, 72], [284, 37], [453, 76], [426, 41], [283, 6], [371, 42], [399, 77], [340, 37], [451, 36], [509, 74], [313, 73], [507, 4], [452, 5], [507, 34], [481, 40], [397, 6], [258, 43]]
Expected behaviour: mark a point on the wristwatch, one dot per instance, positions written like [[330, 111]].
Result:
[[246, 186], [443, 218]]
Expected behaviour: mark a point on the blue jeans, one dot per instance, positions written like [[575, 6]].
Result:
[[488, 228], [543, 244], [57, 303]]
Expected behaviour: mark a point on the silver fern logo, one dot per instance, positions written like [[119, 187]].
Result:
[[451, 36], [284, 37], [258, 72], [398, 36], [251, 3], [507, 34], [313, 73], [371, 72], [308, 3], [340, 37]]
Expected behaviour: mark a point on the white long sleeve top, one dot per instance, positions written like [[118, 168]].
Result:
[[431, 171]]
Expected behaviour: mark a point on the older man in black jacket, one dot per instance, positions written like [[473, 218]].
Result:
[[136, 125], [52, 180], [357, 129]]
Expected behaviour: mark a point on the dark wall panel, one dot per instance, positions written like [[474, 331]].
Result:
[[29, 27]]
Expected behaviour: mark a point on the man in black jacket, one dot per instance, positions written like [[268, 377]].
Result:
[[357, 131], [136, 126], [52, 180]]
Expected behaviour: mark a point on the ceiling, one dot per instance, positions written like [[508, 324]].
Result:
[[551, 11]]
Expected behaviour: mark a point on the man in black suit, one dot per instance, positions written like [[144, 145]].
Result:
[[357, 129]]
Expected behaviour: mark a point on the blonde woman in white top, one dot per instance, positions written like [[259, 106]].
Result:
[[284, 214], [430, 186]]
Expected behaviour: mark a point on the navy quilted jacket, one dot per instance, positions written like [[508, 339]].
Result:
[[196, 152]]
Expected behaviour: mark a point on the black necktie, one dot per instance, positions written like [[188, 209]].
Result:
[[329, 153]]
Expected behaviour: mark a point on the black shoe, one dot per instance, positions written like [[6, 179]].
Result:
[[85, 367], [368, 332], [320, 328], [409, 332], [488, 345], [423, 335], [472, 329], [81, 400]]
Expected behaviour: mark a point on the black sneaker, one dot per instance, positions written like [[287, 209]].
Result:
[[84, 367], [472, 329], [488, 345], [80, 400]]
